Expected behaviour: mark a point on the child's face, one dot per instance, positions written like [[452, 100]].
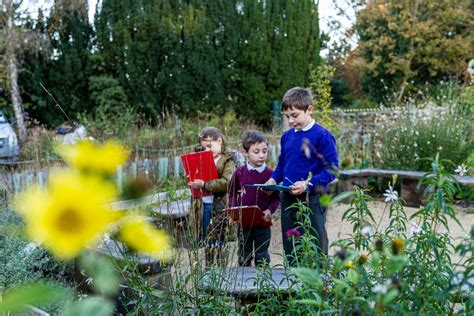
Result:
[[257, 154], [298, 119], [212, 145]]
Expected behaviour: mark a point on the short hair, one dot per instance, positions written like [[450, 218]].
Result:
[[212, 132], [297, 98], [251, 138]]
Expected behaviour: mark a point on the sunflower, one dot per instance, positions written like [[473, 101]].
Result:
[[68, 216], [144, 238], [89, 157]]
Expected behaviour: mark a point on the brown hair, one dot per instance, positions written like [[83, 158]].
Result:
[[251, 138], [297, 98], [213, 133]]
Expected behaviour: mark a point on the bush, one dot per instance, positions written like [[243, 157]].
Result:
[[410, 134]]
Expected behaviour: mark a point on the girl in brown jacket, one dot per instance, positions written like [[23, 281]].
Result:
[[210, 217]]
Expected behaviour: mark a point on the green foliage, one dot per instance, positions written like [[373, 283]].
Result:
[[112, 117], [422, 133], [163, 57], [392, 272], [24, 263], [403, 44], [321, 89]]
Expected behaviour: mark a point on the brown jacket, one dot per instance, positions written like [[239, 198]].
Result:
[[218, 187]]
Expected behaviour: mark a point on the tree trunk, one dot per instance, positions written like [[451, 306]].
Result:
[[13, 72]]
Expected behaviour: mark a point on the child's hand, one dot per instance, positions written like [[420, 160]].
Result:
[[267, 216], [196, 184], [271, 181], [298, 187]]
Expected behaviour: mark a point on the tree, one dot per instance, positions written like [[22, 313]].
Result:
[[12, 43], [409, 42]]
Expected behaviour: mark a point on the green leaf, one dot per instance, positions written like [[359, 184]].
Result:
[[325, 200], [395, 264], [353, 276], [390, 296], [32, 294], [91, 306], [105, 278], [309, 302], [374, 261], [309, 276], [341, 196]]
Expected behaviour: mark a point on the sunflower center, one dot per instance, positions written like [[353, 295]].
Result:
[[69, 221]]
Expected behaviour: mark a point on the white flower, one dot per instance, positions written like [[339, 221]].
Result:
[[382, 288], [89, 281], [462, 170], [457, 279], [106, 238], [367, 230], [390, 195], [82, 296], [415, 228]]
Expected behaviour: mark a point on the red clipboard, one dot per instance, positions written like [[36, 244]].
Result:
[[199, 165], [248, 216]]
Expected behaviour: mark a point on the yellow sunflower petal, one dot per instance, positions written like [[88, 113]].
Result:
[[145, 238], [71, 215], [91, 157]]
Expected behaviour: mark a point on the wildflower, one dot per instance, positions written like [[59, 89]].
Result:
[[462, 170], [367, 230], [415, 229], [363, 259], [106, 238], [395, 283], [82, 296], [350, 264], [342, 254], [379, 245], [89, 281], [390, 195], [380, 288], [457, 279], [70, 215], [142, 237], [292, 233], [87, 156], [397, 245]]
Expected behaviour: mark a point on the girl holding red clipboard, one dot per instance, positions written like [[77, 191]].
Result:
[[209, 210]]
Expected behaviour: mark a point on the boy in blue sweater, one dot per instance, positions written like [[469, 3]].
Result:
[[307, 163]]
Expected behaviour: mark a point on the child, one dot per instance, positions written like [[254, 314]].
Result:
[[213, 214], [255, 147], [308, 160]]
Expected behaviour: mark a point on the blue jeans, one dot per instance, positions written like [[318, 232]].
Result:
[[206, 217]]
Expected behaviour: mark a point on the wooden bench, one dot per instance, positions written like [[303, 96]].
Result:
[[410, 191], [248, 284]]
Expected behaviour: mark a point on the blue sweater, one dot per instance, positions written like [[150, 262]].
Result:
[[308, 151]]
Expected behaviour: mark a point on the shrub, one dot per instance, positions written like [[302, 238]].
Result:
[[415, 133]]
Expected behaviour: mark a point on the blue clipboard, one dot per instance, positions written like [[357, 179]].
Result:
[[272, 187]]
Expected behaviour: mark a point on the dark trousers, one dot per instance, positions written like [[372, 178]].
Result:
[[250, 238], [316, 214]]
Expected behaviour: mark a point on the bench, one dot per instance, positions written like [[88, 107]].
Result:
[[248, 284], [410, 191]]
